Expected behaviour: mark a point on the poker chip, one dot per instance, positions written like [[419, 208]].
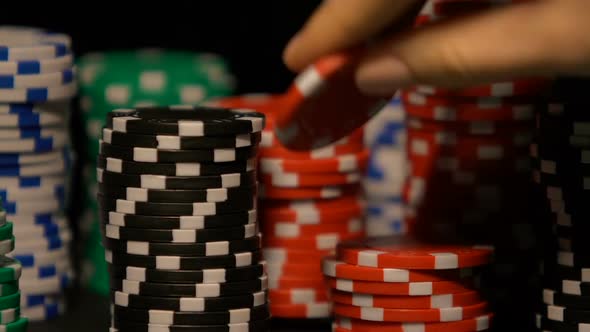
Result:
[[321, 86], [255, 326], [180, 235], [411, 315], [174, 156], [404, 253], [298, 296], [9, 315], [215, 275], [307, 310], [189, 290], [407, 302], [210, 248], [166, 317], [179, 142], [182, 196], [36, 66], [185, 121], [115, 165], [198, 304], [481, 323], [180, 231]]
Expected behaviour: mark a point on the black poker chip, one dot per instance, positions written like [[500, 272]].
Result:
[[545, 324], [565, 314], [149, 181], [176, 209], [217, 248], [190, 290], [172, 142], [179, 222], [178, 195], [254, 326], [184, 263], [150, 155], [175, 169], [556, 298], [201, 304], [161, 317], [214, 275], [180, 235], [193, 121]]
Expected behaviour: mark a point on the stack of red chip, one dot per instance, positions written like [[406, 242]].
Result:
[[469, 178], [396, 284], [311, 200]]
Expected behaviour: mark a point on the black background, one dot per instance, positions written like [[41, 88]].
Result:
[[251, 34]]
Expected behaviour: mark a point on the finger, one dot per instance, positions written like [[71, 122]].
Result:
[[532, 39], [340, 24]]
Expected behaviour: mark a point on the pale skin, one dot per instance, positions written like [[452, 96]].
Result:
[[539, 38]]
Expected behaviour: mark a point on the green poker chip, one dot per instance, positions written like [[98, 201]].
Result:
[[8, 288], [10, 269], [20, 325], [10, 301], [10, 315], [6, 231], [6, 246]]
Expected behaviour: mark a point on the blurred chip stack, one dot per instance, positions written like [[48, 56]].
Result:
[[561, 159], [386, 138], [469, 179], [123, 79], [178, 198], [37, 80], [311, 200]]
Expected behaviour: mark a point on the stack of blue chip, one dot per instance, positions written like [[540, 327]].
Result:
[[386, 173], [37, 81]]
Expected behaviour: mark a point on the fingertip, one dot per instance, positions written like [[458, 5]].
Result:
[[291, 54]]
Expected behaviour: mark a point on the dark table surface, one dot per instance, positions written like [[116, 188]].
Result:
[[90, 313]]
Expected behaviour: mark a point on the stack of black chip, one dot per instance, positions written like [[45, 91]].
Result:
[[178, 191]]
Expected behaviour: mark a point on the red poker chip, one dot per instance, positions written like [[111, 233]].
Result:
[[325, 104], [298, 296], [479, 128], [312, 210], [289, 282], [292, 230], [279, 255], [325, 192], [406, 253], [440, 109], [308, 310], [341, 164], [327, 152], [337, 269], [324, 241], [298, 180], [520, 87], [292, 269], [407, 302], [325, 218], [411, 315], [480, 323], [269, 140], [401, 288]]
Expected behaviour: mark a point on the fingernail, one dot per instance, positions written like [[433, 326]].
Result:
[[383, 76]]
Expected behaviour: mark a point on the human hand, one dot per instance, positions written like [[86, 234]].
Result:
[[536, 38]]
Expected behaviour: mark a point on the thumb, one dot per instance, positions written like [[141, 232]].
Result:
[[538, 38]]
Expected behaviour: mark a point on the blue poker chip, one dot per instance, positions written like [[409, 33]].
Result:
[[40, 219], [44, 311], [15, 195], [15, 160], [390, 135], [46, 230], [39, 80], [48, 244], [34, 207], [46, 271]]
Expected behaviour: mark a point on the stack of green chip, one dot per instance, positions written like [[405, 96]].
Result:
[[126, 79], [10, 272]]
